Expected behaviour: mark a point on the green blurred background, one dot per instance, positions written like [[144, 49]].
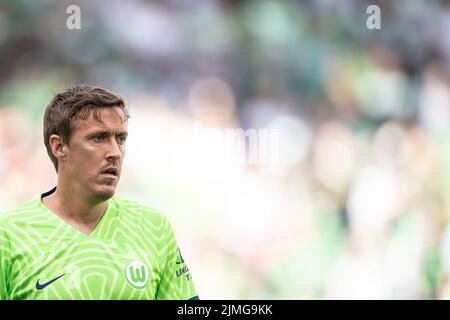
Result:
[[358, 205]]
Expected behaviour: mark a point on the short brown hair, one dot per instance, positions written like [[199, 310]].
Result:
[[73, 104]]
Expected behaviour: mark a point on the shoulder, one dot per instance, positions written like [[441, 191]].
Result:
[[21, 212], [137, 210], [11, 220]]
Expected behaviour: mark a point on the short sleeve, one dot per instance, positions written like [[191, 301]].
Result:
[[176, 281], [4, 265]]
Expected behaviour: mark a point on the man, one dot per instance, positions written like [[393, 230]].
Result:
[[78, 241]]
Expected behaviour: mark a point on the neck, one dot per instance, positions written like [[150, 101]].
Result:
[[76, 208]]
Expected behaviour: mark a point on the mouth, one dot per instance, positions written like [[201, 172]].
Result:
[[110, 173]]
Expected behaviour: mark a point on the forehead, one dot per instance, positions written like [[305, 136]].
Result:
[[108, 119]]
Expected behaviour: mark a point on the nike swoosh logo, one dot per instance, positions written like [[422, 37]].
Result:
[[44, 285]]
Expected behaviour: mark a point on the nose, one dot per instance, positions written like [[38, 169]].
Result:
[[114, 151]]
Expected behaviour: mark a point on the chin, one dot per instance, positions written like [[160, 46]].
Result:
[[105, 193]]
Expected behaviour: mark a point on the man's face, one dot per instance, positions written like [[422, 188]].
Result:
[[95, 152]]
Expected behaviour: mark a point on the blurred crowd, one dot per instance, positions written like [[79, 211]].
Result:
[[354, 205]]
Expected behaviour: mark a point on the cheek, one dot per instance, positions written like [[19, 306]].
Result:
[[85, 160]]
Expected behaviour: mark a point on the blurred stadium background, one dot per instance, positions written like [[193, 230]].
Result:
[[359, 204]]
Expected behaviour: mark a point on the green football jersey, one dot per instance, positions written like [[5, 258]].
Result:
[[131, 254]]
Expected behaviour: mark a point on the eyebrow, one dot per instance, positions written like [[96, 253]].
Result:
[[106, 133]]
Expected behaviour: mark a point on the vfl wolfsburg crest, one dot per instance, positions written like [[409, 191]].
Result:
[[137, 274]]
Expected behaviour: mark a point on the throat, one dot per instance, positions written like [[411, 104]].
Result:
[[81, 216]]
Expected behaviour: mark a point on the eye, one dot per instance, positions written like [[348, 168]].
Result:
[[122, 139], [98, 138]]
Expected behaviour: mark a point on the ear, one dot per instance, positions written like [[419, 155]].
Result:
[[58, 147]]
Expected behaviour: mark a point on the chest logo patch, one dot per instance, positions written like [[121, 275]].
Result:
[[137, 274], [44, 285]]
